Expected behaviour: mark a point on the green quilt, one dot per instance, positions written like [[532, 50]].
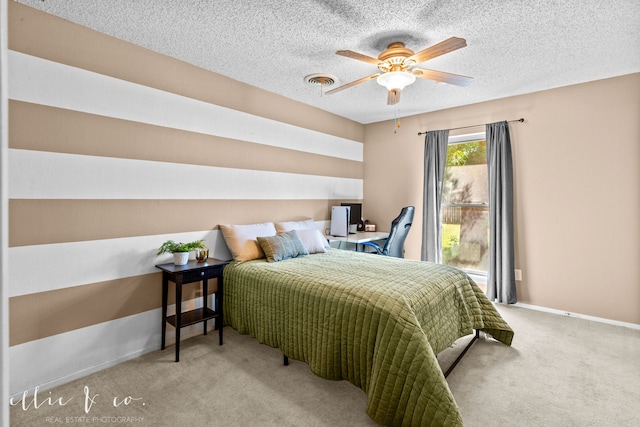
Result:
[[375, 321]]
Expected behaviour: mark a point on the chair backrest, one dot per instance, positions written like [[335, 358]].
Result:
[[394, 246]]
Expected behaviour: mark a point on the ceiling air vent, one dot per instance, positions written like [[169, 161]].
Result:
[[320, 79]]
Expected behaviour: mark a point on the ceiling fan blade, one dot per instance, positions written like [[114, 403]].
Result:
[[393, 96], [353, 83], [359, 56], [441, 76], [449, 45]]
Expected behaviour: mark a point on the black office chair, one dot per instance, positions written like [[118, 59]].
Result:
[[394, 245]]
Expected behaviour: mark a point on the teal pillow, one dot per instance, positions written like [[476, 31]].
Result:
[[282, 246]]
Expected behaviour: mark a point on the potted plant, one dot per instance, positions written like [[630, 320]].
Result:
[[180, 250]]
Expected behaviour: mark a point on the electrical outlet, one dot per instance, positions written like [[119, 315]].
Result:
[[518, 275]]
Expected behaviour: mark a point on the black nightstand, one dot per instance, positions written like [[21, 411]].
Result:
[[191, 272]]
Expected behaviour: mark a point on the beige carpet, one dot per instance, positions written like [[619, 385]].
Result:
[[560, 371]]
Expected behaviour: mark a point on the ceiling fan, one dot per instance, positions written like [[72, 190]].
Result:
[[396, 62]]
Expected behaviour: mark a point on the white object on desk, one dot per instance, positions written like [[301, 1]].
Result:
[[339, 221]]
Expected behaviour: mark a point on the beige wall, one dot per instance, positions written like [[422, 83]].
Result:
[[577, 190]]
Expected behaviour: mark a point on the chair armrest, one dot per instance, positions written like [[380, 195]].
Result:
[[374, 246]]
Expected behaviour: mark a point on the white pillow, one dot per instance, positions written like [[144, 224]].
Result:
[[308, 233], [242, 239], [283, 227], [313, 241]]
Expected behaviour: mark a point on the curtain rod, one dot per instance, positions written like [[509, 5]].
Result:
[[473, 126]]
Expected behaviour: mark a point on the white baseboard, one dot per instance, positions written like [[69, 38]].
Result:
[[578, 315], [16, 396], [52, 361]]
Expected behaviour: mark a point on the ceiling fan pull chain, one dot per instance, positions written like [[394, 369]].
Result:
[[397, 122]]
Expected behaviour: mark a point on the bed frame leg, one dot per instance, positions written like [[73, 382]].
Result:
[[286, 360], [455, 362]]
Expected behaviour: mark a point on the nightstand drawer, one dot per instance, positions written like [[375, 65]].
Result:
[[196, 276]]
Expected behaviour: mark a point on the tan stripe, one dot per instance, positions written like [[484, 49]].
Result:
[[44, 314], [38, 222], [39, 34], [73, 132]]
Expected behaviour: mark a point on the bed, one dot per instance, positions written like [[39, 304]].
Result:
[[376, 321]]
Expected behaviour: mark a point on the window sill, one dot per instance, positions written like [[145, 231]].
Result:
[[480, 280]]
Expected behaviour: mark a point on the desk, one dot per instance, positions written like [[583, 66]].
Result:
[[360, 237], [191, 272]]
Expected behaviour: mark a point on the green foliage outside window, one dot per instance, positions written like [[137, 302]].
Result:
[[470, 153]]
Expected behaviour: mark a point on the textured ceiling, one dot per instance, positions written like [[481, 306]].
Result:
[[513, 46]]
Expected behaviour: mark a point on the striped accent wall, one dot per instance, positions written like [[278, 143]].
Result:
[[114, 149]]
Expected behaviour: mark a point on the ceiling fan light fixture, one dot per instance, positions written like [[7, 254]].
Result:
[[396, 67], [396, 79]]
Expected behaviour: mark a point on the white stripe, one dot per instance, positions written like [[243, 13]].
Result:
[[63, 265], [59, 359], [39, 81], [48, 175]]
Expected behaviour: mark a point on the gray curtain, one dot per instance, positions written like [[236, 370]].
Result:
[[435, 157], [501, 283]]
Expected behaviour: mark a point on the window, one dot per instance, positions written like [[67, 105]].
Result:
[[465, 204]]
